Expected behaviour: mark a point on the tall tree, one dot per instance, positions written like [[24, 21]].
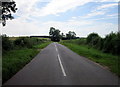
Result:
[[6, 8], [52, 29], [55, 34]]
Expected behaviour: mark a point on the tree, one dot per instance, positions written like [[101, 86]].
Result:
[[71, 35], [112, 43], [54, 34], [52, 29], [91, 38], [7, 7]]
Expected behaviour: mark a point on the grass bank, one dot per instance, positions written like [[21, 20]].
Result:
[[105, 59], [14, 60]]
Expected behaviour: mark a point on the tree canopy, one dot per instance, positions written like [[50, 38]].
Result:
[[71, 35], [6, 8], [54, 34]]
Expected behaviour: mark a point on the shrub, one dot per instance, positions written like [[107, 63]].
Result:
[[27, 42], [92, 39], [6, 43], [111, 43], [24, 42]]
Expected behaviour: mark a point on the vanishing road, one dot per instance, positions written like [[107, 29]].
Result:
[[57, 65]]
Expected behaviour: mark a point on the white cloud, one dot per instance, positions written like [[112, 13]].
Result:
[[100, 10], [60, 6], [27, 8], [95, 14], [113, 15], [107, 6], [74, 17]]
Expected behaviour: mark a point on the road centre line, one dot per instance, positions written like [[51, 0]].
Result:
[[64, 74], [61, 65], [56, 48]]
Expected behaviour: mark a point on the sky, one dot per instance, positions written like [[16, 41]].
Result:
[[35, 17]]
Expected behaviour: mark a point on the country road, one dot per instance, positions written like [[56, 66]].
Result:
[[57, 65]]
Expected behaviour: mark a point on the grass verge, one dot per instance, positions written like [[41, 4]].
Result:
[[15, 60], [97, 56]]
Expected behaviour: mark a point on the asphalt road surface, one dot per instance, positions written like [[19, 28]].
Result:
[[57, 65]]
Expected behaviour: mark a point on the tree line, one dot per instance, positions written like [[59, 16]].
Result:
[[55, 35]]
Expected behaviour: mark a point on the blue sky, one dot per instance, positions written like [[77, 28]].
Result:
[[81, 16]]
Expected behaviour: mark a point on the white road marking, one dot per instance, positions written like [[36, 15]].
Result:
[[64, 74], [62, 68], [56, 48]]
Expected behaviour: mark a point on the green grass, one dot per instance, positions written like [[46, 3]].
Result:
[[15, 60], [105, 59], [41, 46], [44, 38]]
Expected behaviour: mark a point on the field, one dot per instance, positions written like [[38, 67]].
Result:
[[107, 60]]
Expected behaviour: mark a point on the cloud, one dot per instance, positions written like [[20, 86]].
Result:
[[113, 15], [100, 10], [95, 14], [60, 6], [107, 6], [74, 17], [27, 8]]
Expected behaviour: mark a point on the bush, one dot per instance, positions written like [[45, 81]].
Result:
[[111, 43], [99, 44], [93, 38], [27, 42], [6, 43]]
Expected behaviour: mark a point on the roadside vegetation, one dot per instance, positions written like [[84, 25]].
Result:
[[104, 51], [18, 51]]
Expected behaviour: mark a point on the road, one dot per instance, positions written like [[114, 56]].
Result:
[[57, 65]]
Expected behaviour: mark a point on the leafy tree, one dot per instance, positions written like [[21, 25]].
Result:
[[52, 29], [112, 43], [91, 38], [7, 8], [55, 34], [71, 35]]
